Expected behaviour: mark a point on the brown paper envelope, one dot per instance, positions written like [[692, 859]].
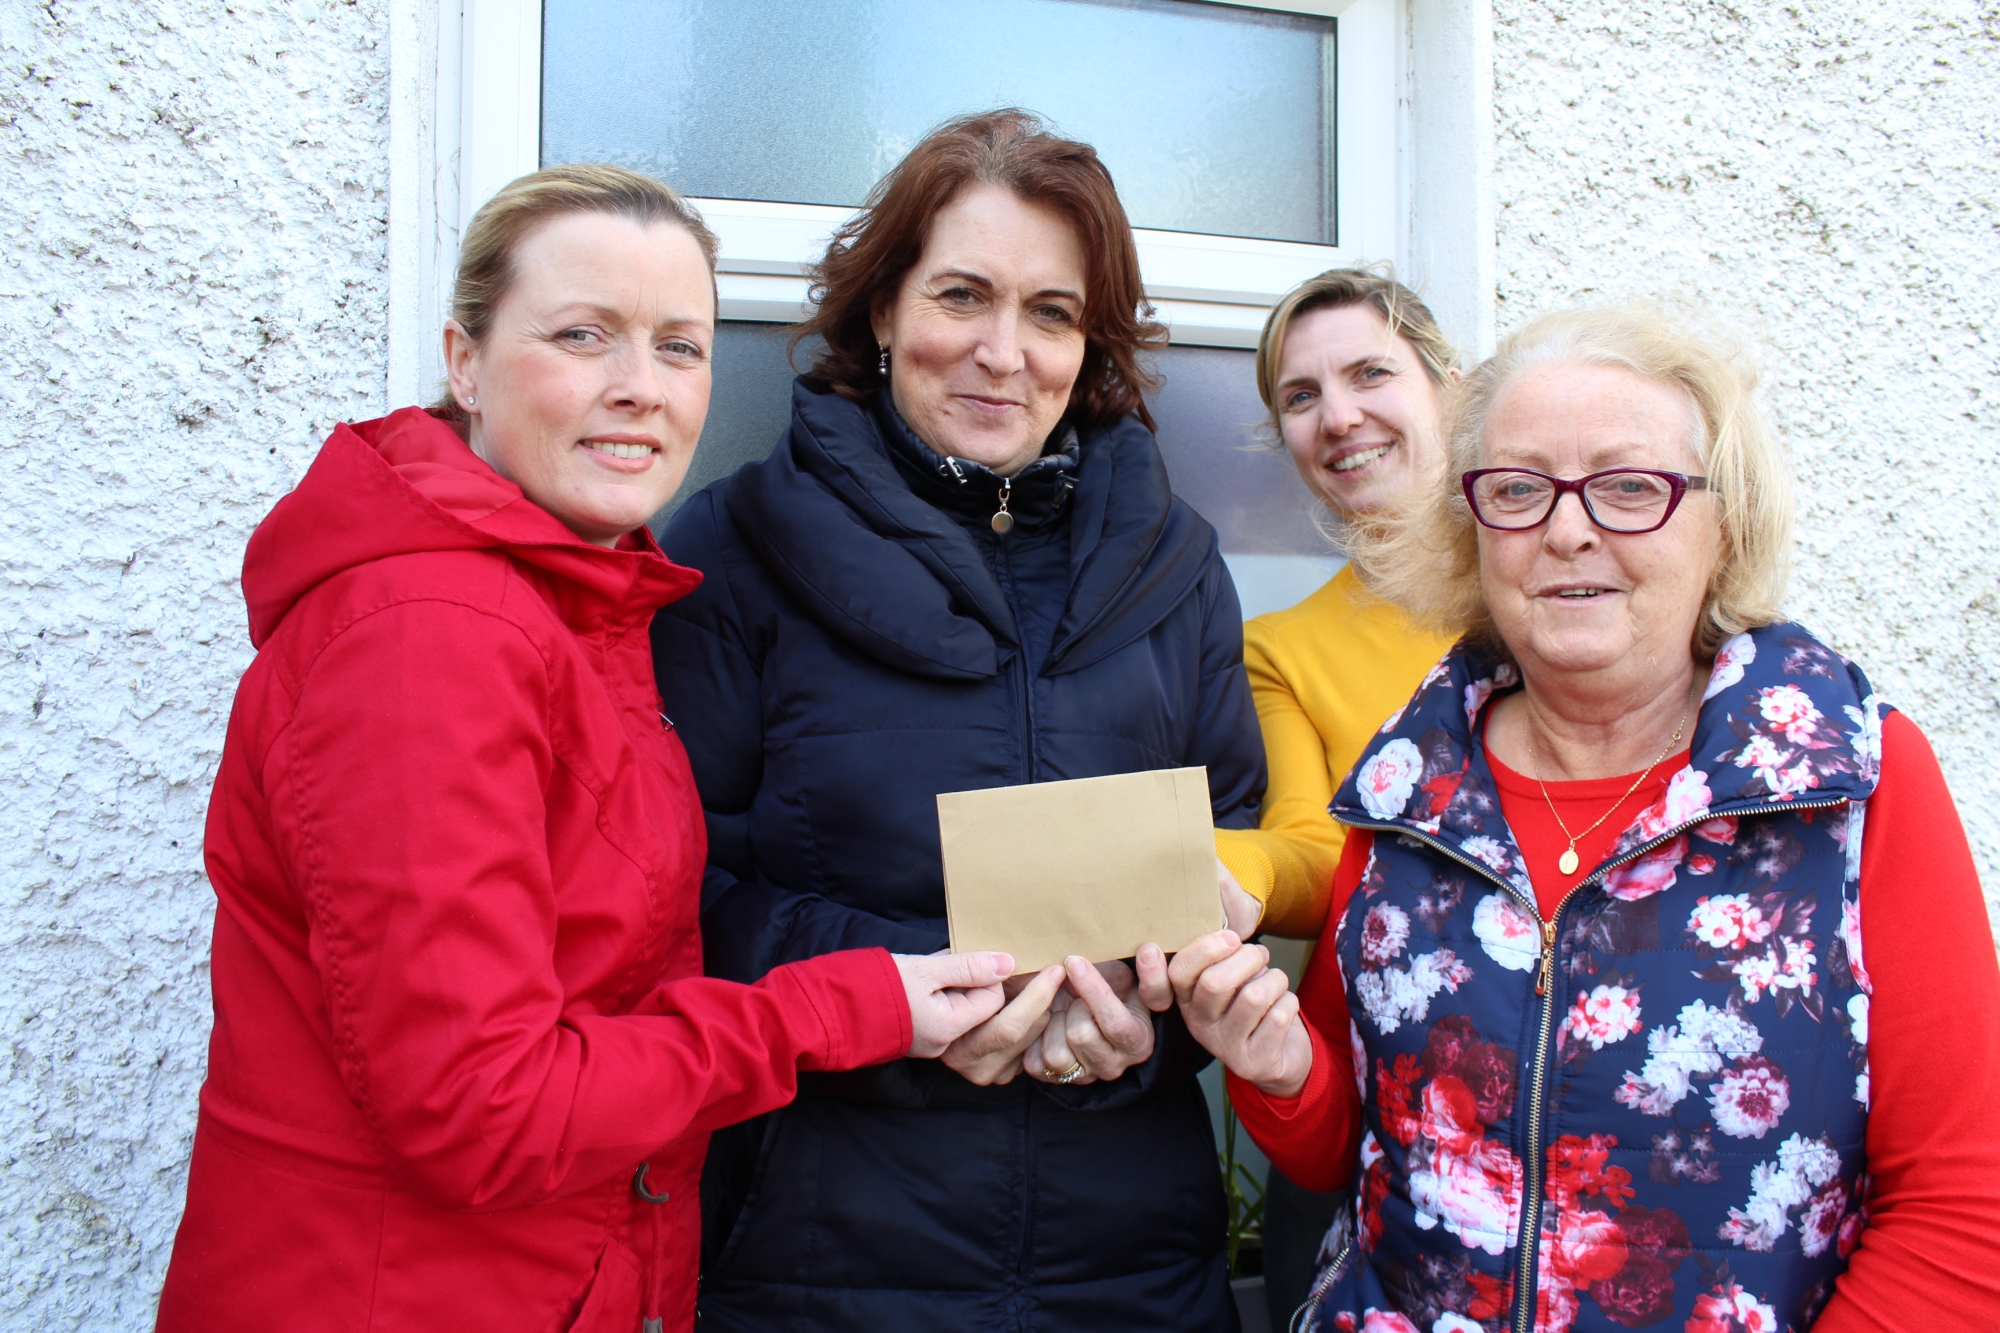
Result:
[[1097, 867]]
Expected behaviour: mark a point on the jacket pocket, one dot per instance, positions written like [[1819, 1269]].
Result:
[[611, 1304]]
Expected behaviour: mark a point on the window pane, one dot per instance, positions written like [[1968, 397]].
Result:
[[1208, 413], [1211, 118]]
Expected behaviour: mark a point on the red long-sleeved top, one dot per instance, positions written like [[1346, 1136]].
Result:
[[1933, 1135]]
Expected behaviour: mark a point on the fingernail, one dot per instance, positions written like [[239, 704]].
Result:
[[1003, 963]]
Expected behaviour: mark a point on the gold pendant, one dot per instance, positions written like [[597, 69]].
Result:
[[1567, 862]]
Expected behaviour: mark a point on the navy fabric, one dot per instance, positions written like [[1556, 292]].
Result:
[[1650, 1110], [863, 641]]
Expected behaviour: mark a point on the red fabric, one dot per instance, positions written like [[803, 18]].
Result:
[[1933, 1137], [456, 964]]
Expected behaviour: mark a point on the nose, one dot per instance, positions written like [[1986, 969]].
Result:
[[1339, 412], [633, 382], [999, 352], [1569, 529]]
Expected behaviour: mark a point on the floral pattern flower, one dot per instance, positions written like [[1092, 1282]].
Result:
[[1729, 921], [1603, 1015], [1750, 1099], [1790, 711], [1491, 851], [1730, 1309], [1735, 654], [1383, 934], [1390, 775], [1650, 874], [1506, 932]]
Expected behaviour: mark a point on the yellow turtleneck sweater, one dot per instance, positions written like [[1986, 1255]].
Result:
[[1326, 674]]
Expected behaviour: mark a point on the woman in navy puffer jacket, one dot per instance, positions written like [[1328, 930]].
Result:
[[962, 568]]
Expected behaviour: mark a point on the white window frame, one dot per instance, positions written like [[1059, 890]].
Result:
[[1413, 152]]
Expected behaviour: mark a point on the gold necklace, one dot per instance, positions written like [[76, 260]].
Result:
[[1567, 862]]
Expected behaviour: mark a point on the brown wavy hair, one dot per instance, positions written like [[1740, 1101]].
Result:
[[872, 252]]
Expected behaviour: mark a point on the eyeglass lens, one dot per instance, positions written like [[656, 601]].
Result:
[[1619, 501]]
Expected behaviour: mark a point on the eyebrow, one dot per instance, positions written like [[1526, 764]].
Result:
[[1356, 364], [984, 281]]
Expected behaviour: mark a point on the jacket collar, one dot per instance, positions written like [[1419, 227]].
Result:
[[1036, 495], [1785, 723], [835, 520], [408, 483]]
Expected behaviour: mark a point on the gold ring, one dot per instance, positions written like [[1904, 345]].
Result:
[[1070, 1075]]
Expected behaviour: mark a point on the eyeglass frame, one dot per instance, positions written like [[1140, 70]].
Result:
[[1680, 482]]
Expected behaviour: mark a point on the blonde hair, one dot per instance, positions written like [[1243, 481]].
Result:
[[1372, 285], [1425, 557], [486, 254]]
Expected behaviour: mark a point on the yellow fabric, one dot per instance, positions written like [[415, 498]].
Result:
[[1326, 674]]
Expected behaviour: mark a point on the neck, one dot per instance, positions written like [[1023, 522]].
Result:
[[1566, 731]]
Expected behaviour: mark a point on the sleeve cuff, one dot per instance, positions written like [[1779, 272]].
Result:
[[858, 997], [1239, 853]]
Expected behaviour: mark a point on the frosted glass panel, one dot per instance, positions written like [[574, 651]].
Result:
[[1211, 118]]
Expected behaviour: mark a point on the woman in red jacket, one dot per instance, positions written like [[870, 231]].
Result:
[[465, 1064]]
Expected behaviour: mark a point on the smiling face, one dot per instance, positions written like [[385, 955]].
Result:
[[1356, 409], [592, 382], [1567, 596], [985, 335]]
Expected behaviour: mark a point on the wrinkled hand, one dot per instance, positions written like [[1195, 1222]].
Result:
[[1098, 1025], [1241, 913], [1243, 1010], [950, 993], [991, 1053]]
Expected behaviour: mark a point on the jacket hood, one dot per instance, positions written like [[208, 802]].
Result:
[[836, 522], [1785, 722], [407, 484]]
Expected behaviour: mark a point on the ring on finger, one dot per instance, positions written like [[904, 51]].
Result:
[[1070, 1075]]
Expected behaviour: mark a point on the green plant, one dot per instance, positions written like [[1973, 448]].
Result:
[[1242, 1193]]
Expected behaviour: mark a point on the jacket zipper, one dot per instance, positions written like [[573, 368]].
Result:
[[1528, 1239], [1025, 697]]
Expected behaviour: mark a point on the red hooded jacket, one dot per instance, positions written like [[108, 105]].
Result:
[[457, 968]]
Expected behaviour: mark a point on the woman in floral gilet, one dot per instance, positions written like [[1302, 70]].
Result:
[[1597, 1028]]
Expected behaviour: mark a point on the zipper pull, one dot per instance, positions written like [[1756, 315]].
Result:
[[1547, 973], [1003, 522]]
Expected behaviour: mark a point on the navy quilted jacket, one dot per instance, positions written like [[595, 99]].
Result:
[[862, 642]]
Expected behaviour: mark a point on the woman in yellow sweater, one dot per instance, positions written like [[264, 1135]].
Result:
[[1355, 372]]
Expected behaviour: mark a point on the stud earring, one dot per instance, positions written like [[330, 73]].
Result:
[[470, 401], [882, 366]]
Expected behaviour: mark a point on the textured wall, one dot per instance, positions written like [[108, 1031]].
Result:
[[1826, 175], [192, 207]]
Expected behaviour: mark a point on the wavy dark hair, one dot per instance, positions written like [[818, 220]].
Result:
[[874, 250]]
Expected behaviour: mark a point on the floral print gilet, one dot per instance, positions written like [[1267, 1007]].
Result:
[[1657, 1119]]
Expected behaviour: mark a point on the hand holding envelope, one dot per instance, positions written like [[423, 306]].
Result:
[[1076, 873]]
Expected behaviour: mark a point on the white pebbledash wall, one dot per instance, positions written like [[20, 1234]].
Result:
[[194, 202]]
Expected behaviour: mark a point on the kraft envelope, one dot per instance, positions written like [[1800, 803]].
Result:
[[1097, 866]]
